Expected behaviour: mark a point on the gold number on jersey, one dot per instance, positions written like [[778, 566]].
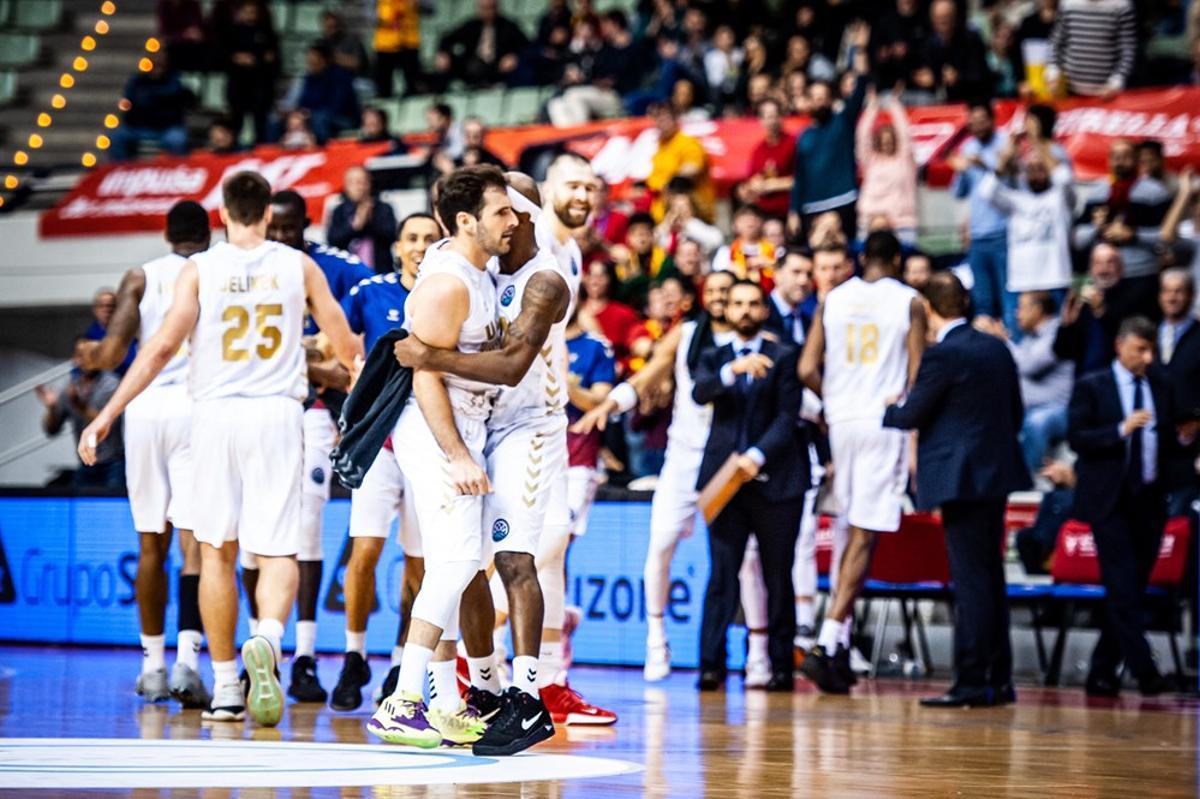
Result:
[[270, 336], [862, 344]]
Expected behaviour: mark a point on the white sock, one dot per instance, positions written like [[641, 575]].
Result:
[[525, 674], [412, 671], [397, 654], [252, 623], [806, 614], [484, 674], [306, 639], [656, 631], [443, 686], [499, 641], [758, 647], [187, 648], [355, 642], [847, 629], [831, 630], [225, 672], [153, 657], [550, 662], [272, 630]]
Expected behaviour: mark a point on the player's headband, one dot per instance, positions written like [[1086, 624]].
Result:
[[522, 204]]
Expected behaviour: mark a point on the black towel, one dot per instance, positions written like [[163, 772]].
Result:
[[370, 412]]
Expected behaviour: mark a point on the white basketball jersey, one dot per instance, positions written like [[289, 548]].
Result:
[[542, 392], [161, 274], [566, 254], [866, 347], [690, 422], [480, 331], [247, 340]]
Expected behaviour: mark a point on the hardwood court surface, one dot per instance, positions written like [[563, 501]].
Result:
[[877, 743]]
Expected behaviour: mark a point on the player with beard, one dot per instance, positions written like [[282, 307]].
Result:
[[673, 508]]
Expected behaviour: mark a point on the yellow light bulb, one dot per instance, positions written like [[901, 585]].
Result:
[[35, 141], [88, 159], [58, 101], [111, 121], [102, 142], [101, 27], [79, 64], [11, 182], [1, 202], [124, 104], [145, 64], [152, 45], [44, 120], [20, 158], [108, 7], [66, 81], [88, 44]]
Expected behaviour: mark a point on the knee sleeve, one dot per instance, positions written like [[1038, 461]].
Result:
[[311, 506], [450, 630], [441, 592], [552, 577]]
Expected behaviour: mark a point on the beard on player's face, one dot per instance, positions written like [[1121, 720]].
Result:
[[573, 213]]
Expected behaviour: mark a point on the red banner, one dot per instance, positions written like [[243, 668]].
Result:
[[134, 197]]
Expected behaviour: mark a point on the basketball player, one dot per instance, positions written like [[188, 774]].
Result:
[[372, 308], [673, 508], [158, 462], [243, 303], [342, 272], [443, 430], [869, 334]]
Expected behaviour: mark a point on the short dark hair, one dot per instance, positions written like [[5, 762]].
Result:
[[410, 217], [640, 218], [444, 109], [749, 208], [618, 18], [982, 105], [1138, 326], [946, 295], [881, 247], [1046, 116], [379, 112], [657, 108], [681, 184], [290, 200], [321, 49], [462, 192], [246, 196], [796, 245], [741, 281], [187, 222], [1045, 301], [1150, 145], [831, 245]]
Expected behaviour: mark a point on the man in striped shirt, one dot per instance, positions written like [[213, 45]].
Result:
[[1094, 45]]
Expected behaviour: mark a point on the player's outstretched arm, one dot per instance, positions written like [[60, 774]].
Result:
[[656, 370], [347, 347], [544, 303], [108, 352], [151, 358], [814, 353]]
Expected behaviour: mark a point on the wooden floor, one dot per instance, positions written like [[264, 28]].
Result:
[[877, 743]]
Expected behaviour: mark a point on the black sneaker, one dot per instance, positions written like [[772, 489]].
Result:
[[523, 721], [485, 703], [841, 662], [305, 687], [347, 694], [819, 668], [388, 687]]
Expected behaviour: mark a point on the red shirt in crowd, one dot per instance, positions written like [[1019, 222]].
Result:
[[620, 323], [774, 161]]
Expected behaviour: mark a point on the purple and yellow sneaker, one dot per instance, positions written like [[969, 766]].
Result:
[[401, 720], [462, 727]]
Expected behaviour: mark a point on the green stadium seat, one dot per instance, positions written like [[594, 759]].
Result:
[[488, 105], [214, 93], [18, 49], [281, 14], [37, 15], [307, 19], [459, 101], [8, 86], [412, 114], [522, 106], [5, 11], [291, 54], [193, 82]]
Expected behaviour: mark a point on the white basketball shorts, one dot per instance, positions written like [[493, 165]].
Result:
[[380, 500], [158, 458], [870, 472]]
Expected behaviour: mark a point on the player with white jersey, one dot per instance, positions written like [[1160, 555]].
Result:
[[673, 508], [243, 303], [158, 462], [868, 334]]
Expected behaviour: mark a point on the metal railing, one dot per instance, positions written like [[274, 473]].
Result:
[[21, 389]]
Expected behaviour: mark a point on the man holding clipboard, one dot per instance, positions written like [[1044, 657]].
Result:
[[752, 479]]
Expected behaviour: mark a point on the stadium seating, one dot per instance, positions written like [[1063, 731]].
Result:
[[37, 15], [18, 49], [8, 86]]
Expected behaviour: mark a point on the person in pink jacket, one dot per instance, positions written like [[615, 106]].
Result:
[[889, 173]]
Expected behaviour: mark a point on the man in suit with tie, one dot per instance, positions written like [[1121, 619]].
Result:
[[1121, 422], [753, 386], [793, 284], [966, 407], [1179, 339]]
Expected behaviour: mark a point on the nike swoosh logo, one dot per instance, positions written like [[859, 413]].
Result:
[[527, 723]]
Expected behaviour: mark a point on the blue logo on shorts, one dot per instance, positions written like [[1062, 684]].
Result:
[[574, 267], [499, 530], [506, 297], [318, 475]]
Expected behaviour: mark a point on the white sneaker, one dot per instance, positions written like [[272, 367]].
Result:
[[658, 662], [152, 686], [858, 663], [228, 704], [758, 672]]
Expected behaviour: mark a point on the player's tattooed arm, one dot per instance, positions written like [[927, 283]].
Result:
[[814, 353], [110, 351], [543, 304]]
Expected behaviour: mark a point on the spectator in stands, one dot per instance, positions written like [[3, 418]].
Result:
[[889, 172], [678, 155], [693, 44], [297, 135], [327, 93], [987, 252], [825, 169], [221, 137], [181, 29], [688, 261], [1127, 211], [953, 60], [363, 224], [158, 105], [1035, 545], [772, 163], [832, 267], [482, 51], [397, 46], [103, 304], [1093, 47], [609, 220], [799, 57], [1122, 424], [222, 16], [775, 232], [918, 268], [251, 63], [1179, 339], [1040, 120], [637, 262], [474, 150], [347, 49], [1091, 318], [1181, 235], [614, 321], [896, 42], [683, 100], [1001, 59], [1034, 34], [589, 80], [375, 128], [754, 77], [79, 403], [748, 255], [722, 65], [681, 220]]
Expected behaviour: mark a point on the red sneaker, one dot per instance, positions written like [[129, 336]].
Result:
[[568, 707], [463, 672]]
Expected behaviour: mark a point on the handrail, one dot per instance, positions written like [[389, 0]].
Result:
[[29, 384], [24, 448]]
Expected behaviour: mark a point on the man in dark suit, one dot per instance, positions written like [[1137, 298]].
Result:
[[966, 406], [753, 386], [1179, 339], [787, 317], [1121, 423]]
